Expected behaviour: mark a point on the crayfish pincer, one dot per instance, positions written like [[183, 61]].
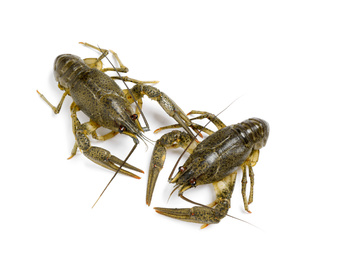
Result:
[[99, 97], [215, 160]]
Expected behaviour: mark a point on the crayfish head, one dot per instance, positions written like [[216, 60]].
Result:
[[124, 117], [190, 175]]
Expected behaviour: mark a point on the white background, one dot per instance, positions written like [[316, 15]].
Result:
[[280, 57]]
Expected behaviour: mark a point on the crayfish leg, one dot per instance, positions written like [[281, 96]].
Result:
[[56, 109], [97, 62], [211, 117], [243, 188], [250, 162]]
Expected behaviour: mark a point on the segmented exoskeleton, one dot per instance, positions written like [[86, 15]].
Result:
[[99, 97], [215, 160]]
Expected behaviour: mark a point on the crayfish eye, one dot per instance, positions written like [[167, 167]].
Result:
[[134, 116], [193, 182], [122, 129], [181, 169]]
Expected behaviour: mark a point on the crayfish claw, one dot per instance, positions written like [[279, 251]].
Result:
[[201, 215]]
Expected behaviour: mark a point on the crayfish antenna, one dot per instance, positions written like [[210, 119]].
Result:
[[120, 167], [172, 192], [145, 139], [244, 221]]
